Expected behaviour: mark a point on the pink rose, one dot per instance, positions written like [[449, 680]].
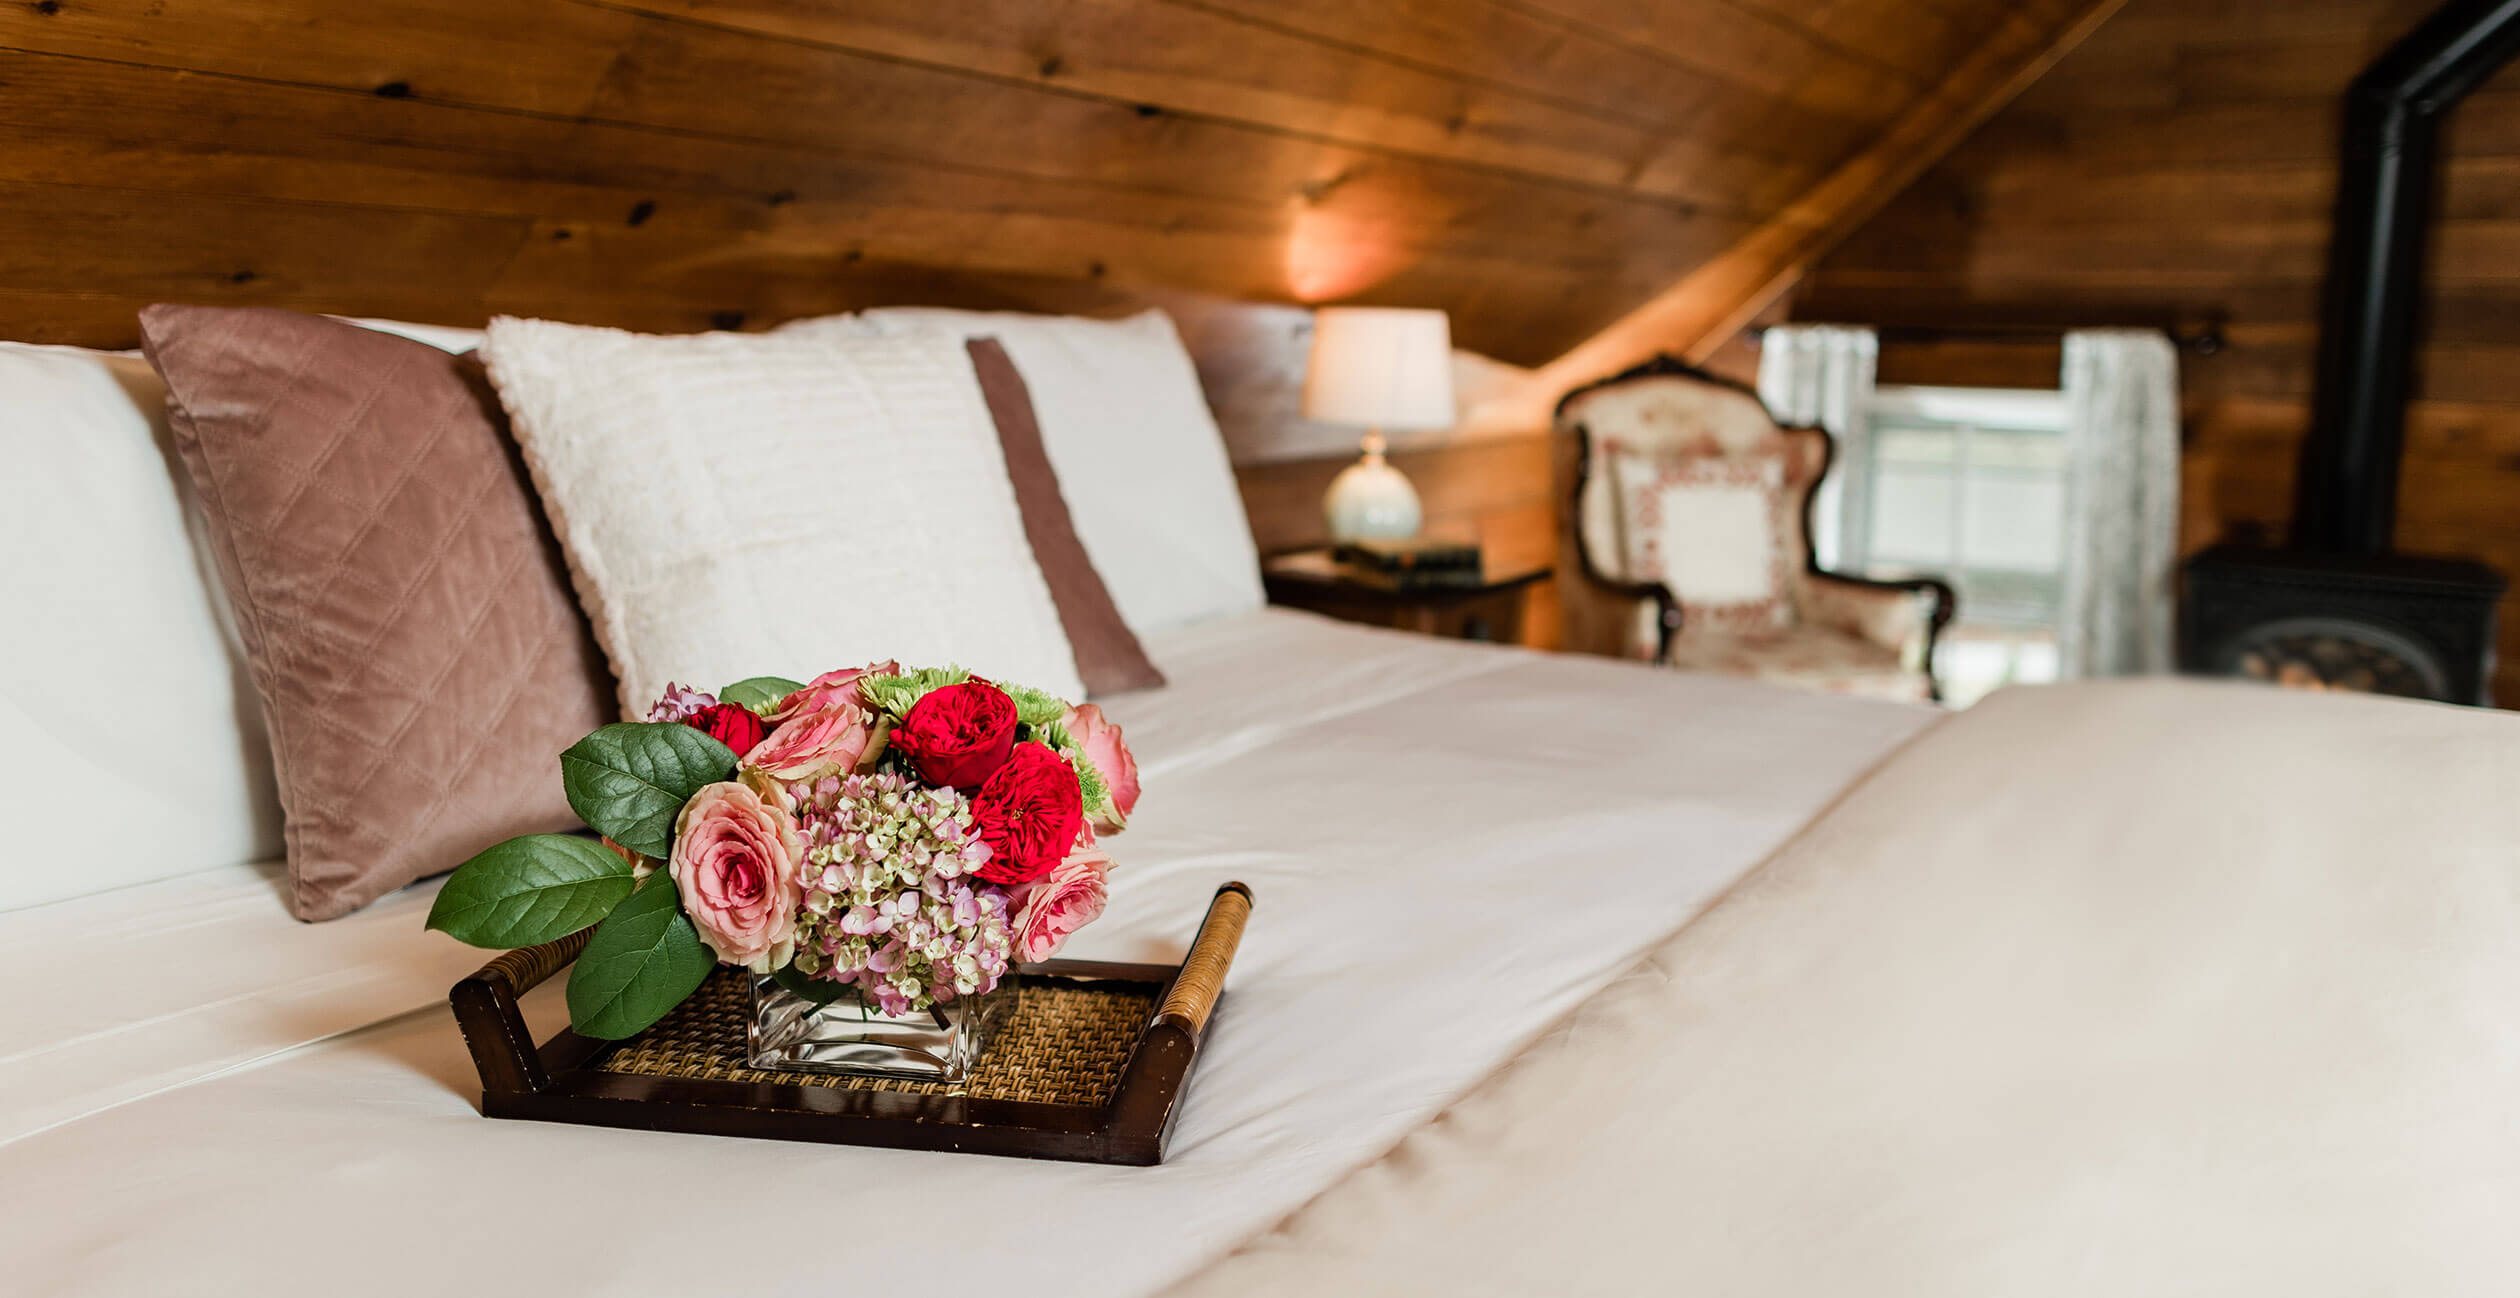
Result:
[[829, 688], [811, 745], [735, 863], [1060, 902], [1110, 755]]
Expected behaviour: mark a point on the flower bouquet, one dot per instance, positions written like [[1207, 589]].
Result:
[[876, 846]]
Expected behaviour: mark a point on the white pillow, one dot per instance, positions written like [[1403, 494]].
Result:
[[131, 742], [446, 338], [739, 505], [1140, 460], [120, 668]]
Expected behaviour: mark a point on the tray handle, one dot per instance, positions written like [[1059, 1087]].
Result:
[[1202, 978], [1142, 1112], [494, 1029]]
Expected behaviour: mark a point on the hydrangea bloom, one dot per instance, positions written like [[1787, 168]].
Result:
[[681, 703], [893, 905]]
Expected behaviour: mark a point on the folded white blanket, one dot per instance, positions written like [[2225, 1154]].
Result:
[[2154, 989]]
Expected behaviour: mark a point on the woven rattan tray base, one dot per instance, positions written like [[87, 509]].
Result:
[[1090, 1066], [1064, 1042]]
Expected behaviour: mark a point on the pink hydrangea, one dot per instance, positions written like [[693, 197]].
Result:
[[892, 902], [681, 703]]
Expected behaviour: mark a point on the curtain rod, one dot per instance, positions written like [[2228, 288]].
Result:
[[2205, 340]]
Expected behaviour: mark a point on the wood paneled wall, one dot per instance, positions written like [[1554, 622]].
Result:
[[1534, 166], [1538, 168], [2180, 166]]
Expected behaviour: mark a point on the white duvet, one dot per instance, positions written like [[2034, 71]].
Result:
[[1451, 846], [2155, 988]]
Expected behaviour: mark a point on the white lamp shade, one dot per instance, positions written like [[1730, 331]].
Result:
[[1380, 367]]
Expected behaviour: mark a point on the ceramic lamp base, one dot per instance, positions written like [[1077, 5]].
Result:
[[1371, 501]]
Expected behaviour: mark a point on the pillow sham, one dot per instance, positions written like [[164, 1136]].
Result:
[[114, 637], [740, 504], [1109, 658], [403, 610], [1138, 455]]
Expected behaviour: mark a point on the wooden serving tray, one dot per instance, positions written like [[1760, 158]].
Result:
[[1090, 1066]]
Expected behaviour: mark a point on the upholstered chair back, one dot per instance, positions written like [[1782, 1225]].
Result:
[[1676, 418], [1693, 508]]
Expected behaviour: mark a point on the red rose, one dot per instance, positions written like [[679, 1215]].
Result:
[[1030, 814], [958, 736], [736, 727]]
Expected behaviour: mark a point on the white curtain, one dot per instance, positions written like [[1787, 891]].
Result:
[[2122, 502], [1823, 375]]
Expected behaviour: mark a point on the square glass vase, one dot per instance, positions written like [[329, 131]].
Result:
[[850, 1036]]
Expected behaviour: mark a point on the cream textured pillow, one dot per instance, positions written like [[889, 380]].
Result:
[[738, 505]]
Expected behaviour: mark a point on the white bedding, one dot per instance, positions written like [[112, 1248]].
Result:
[[1450, 845], [2117, 989]]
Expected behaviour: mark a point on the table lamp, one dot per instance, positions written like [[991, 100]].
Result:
[[1377, 368]]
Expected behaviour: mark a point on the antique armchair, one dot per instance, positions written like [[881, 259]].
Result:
[[1695, 505]]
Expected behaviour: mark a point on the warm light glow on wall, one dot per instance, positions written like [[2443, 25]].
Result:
[[1350, 235]]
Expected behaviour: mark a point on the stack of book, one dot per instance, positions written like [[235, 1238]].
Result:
[[1416, 564]]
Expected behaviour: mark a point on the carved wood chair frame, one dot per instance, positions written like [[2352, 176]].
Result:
[[1666, 602]]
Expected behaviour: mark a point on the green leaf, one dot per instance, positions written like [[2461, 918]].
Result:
[[531, 889], [1095, 790], [760, 693], [644, 960], [821, 991], [898, 694], [1032, 706], [628, 780]]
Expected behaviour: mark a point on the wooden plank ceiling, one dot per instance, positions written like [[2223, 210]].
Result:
[[1537, 167]]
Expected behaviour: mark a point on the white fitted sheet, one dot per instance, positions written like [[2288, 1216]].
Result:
[[1451, 846]]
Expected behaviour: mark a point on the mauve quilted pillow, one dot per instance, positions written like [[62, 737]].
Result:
[[403, 606]]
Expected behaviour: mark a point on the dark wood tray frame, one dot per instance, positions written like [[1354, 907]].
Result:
[[555, 1084]]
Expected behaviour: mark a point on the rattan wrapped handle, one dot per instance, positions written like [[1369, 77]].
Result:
[[526, 967], [1192, 997], [485, 1008]]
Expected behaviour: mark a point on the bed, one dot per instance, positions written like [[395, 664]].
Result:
[[1566, 975], [269, 1125]]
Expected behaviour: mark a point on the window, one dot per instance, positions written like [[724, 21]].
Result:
[[1968, 484]]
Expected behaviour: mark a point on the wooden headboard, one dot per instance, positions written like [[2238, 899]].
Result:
[[672, 164], [675, 165]]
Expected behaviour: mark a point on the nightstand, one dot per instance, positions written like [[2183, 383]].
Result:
[[1492, 610]]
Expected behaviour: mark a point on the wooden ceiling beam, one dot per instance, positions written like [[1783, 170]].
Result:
[[1699, 313]]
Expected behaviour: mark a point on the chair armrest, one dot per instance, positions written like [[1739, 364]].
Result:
[[1905, 616], [1666, 604]]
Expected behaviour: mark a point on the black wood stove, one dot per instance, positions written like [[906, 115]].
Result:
[[2339, 609]]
